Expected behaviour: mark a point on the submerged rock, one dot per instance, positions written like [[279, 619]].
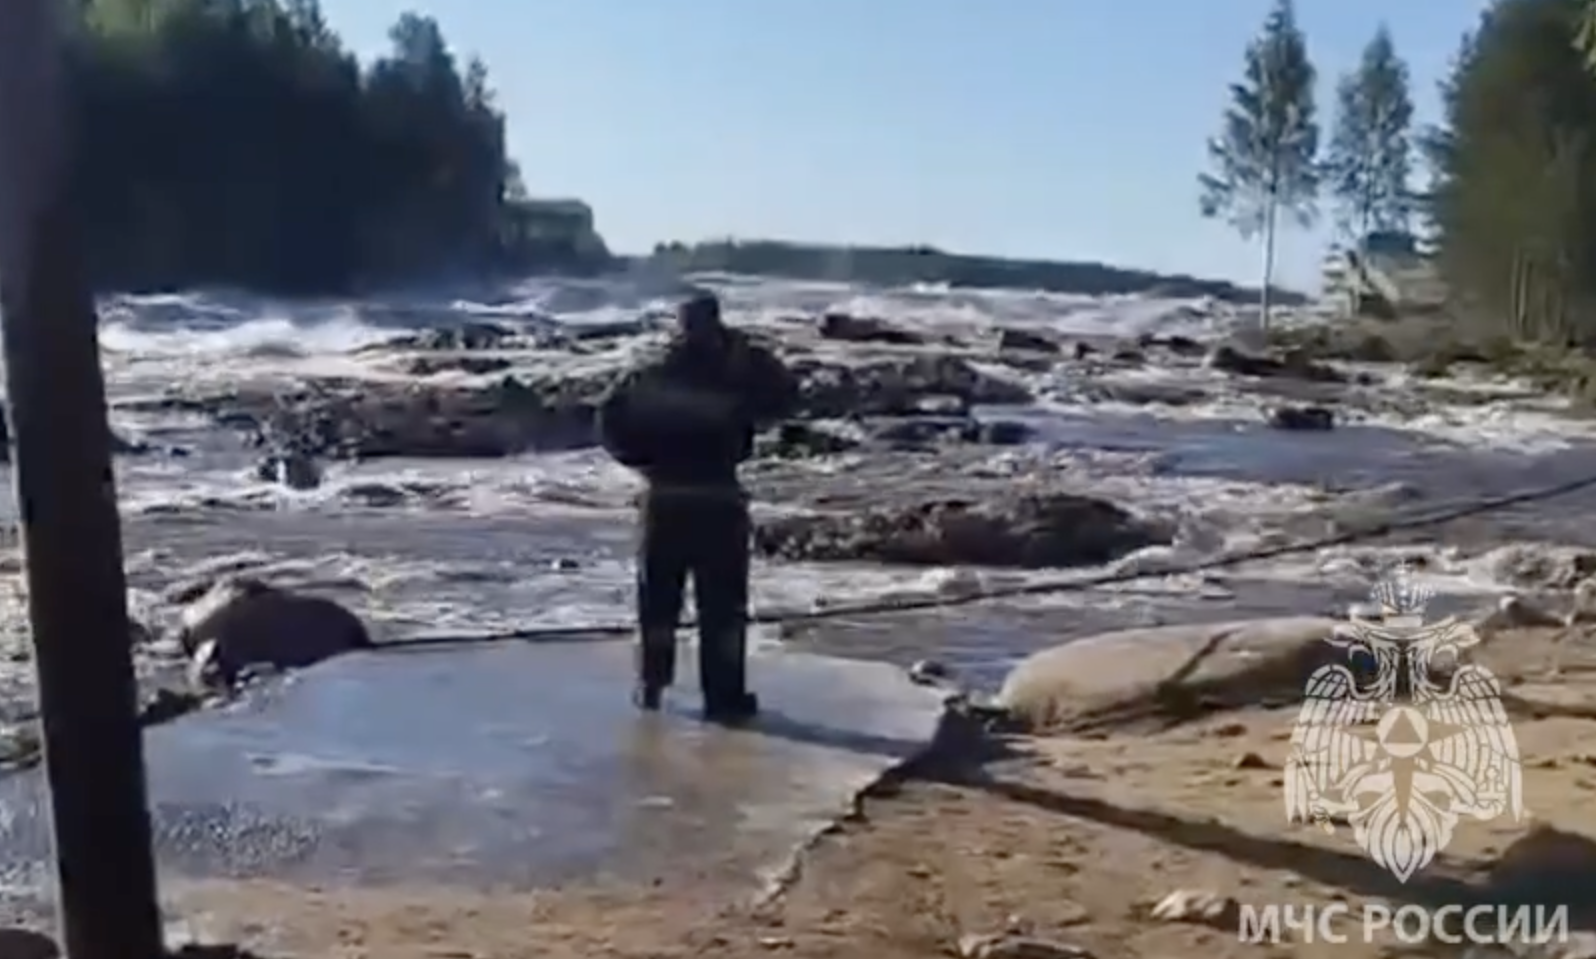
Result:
[[1177, 345], [383, 420], [864, 329], [243, 623], [1293, 364], [799, 440], [899, 387], [1303, 419], [557, 410], [456, 363], [295, 471], [1032, 531], [466, 336], [1013, 338]]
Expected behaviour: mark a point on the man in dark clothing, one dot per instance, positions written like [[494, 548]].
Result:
[[686, 422]]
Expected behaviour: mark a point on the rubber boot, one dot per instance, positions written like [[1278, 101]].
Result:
[[656, 667], [723, 677]]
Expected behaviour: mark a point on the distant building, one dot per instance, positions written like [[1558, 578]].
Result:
[[557, 222], [1390, 272]]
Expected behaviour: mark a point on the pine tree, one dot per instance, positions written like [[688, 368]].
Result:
[[1265, 157], [1515, 181], [1370, 151]]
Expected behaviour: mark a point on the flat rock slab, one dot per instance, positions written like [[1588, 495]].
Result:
[[512, 766]]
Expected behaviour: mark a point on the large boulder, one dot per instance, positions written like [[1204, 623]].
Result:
[[1030, 531], [243, 624], [1147, 674]]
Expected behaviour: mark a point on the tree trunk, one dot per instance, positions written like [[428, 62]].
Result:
[[1266, 297], [70, 532], [1360, 246]]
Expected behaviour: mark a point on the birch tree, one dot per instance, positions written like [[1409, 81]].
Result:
[[1264, 160]]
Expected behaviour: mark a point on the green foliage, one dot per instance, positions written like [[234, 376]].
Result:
[[1515, 194], [235, 142], [1369, 157], [1264, 159]]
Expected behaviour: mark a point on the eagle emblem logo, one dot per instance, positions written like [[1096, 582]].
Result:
[[1405, 740]]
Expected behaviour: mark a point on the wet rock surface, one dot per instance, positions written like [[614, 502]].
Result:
[[474, 766], [1030, 531], [486, 390]]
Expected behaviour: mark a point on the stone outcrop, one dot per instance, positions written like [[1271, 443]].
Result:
[[1029, 531]]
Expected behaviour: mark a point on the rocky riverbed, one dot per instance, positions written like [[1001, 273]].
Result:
[[431, 467]]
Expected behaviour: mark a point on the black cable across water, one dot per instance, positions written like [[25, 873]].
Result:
[[881, 608]]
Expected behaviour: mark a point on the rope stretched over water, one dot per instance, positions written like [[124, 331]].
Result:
[[885, 608]]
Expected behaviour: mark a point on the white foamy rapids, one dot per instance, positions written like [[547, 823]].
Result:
[[1206, 465]]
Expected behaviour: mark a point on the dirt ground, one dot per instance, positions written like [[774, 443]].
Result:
[[1070, 839]]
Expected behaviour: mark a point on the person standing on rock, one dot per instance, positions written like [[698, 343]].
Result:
[[686, 421]]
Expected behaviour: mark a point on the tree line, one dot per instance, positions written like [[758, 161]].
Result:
[[237, 142], [1267, 168], [1510, 207]]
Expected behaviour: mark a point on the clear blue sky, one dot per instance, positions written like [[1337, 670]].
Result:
[[1069, 129]]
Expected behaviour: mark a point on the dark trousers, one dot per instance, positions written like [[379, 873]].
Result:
[[702, 534]]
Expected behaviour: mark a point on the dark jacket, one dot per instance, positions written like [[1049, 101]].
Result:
[[651, 421]]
